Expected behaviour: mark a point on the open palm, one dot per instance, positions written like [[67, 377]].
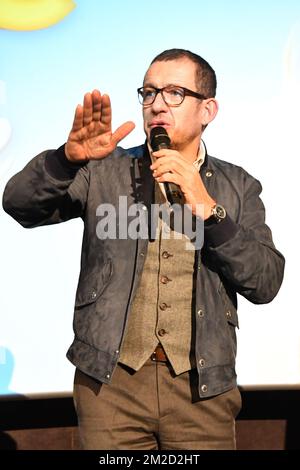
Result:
[[91, 137]]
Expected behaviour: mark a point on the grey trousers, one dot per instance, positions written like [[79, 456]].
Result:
[[153, 409]]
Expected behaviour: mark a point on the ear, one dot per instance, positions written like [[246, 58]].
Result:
[[209, 110]]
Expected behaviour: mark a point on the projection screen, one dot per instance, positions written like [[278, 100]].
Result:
[[50, 56]]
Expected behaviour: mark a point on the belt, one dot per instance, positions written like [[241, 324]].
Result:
[[159, 354]]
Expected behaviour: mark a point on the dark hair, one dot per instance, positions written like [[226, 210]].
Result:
[[205, 75]]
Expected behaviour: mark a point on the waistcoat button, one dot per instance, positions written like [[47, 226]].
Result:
[[163, 306], [161, 332], [165, 279]]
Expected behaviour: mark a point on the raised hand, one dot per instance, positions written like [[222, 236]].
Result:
[[91, 137]]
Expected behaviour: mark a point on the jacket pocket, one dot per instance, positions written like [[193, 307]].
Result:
[[91, 286], [232, 316], [229, 308], [230, 322]]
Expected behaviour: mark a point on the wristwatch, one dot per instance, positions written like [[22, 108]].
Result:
[[218, 213]]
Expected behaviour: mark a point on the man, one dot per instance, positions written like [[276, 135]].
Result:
[[154, 322]]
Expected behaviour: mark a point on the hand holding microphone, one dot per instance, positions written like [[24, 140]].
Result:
[[160, 140]]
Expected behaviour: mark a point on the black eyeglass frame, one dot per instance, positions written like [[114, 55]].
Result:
[[186, 92]]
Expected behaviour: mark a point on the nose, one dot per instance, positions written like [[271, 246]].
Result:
[[159, 105]]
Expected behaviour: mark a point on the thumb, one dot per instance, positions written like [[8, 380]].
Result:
[[122, 131]]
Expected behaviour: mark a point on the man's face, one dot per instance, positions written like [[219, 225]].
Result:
[[182, 123]]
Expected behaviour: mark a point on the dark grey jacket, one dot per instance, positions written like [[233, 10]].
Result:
[[238, 255]]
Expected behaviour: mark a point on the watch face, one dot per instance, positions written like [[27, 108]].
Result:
[[220, 212]]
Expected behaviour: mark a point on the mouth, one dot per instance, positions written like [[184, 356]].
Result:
[[158, 123]]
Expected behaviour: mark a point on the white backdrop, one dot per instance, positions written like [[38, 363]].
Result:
[[254, 48]]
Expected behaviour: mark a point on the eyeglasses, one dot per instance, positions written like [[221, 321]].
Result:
[[172, 95]]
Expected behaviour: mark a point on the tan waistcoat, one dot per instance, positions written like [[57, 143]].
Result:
[[162, 307]]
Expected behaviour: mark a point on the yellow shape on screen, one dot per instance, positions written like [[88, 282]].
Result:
[[29, 15]]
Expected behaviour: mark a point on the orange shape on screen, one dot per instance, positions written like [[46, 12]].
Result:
[[29, 15]]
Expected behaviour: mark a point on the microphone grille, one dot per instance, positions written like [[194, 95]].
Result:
[[159, 138]]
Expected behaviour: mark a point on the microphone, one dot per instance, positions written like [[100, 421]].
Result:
[[160, 140]]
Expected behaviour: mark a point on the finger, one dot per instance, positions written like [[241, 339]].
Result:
[[122, 132], [170, 178], [164, 156], [96, 104], [168, 165], [105, 111], [166, 153], [87, 109], [78, 119]]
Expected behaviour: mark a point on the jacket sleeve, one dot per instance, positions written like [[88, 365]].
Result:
[[48, 190], [244, 253]]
